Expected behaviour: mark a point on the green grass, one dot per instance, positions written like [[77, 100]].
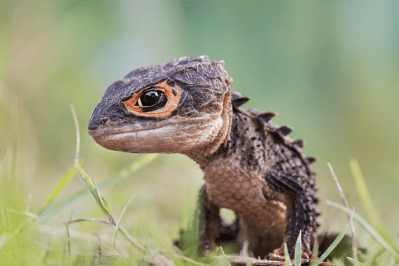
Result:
[[26, 237], [18, 228], [382, 249]]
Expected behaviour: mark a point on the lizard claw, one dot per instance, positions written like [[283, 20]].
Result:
[[275, 257], [279, 256], [305, 256]]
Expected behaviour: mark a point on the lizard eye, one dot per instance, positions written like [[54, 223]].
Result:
[[151, 100], [157, 101]]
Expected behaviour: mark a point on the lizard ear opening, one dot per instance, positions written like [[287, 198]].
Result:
[[157, 101]]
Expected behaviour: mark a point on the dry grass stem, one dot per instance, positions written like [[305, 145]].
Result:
[[350, 217], [75, 119], [97, 220]]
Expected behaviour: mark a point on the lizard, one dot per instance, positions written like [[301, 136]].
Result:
[[250, 165]]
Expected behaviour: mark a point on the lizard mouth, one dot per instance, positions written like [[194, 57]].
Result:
[[116, 129], [167, 136]]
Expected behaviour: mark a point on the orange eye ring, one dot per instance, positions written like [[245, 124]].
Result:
[[172, 96]]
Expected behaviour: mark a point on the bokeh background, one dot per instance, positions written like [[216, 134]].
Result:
[[329, 68]]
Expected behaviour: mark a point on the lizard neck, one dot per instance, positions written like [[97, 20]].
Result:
[[218, 136]]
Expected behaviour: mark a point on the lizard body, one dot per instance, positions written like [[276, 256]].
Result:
[[250, 166]]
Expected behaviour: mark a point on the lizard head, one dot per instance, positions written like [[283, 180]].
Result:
[[178, 107]]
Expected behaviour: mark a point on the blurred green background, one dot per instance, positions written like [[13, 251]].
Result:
[[329, 68]]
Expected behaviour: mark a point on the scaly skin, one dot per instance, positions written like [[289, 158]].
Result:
[[249, 164]]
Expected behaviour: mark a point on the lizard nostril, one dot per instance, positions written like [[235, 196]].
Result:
[[92, 127], [95, 123], [104, 120]]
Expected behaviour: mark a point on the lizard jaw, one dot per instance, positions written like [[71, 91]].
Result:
[[141, 141], [178, 136]]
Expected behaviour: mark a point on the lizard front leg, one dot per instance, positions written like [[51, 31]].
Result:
[[210, 222], [213, 229]]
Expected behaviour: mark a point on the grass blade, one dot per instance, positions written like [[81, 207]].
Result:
[[315, 250], [298, 250], [83, 175], [224, 256], [26, 213], [384, 242], [119, 222], [364, 196], [245, 251], [353, 261], [104, 221], [332, 246], [287, 256], [87, 180], [104, 204], [136, 165], [61, 184], [96, 220], [143, 161], [68, 241], [131, 240], [94, 191], [75, 120]]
